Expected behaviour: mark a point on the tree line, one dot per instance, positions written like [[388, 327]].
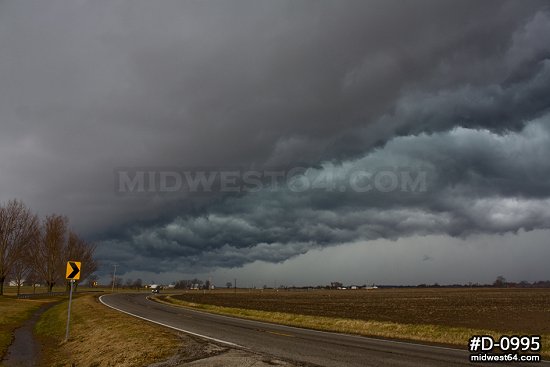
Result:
[[37, 250], [192, 284]]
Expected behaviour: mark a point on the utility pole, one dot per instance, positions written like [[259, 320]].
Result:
[[114, 278], [235, 285]]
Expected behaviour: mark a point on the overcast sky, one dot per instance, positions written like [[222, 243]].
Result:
[[448, 100]]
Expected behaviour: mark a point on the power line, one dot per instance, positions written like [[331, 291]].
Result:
[[114, 278]]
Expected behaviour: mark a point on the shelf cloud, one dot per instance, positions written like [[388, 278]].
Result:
[[404, 119]]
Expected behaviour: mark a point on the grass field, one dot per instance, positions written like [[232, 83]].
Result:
[[13, 313], [102, 337], [99, 336], [12, 291], [527, 310], [447, 316]]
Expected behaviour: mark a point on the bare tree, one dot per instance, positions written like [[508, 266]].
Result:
[[500, 282], [183, 284], [129, 283], [22, 269], [33, 278], [119, 281], [49, 258], [18, 231], [82, 251], [138, 283]]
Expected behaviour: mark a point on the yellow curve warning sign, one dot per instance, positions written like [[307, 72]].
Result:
[[73, 270]]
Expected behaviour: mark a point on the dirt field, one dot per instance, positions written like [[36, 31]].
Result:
[[523, 311]]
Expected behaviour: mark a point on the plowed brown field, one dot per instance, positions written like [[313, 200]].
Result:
[[525, 311]]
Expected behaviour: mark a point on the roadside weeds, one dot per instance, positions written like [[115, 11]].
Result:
[[101, 337]]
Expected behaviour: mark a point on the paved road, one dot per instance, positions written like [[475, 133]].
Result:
[[308, 347]]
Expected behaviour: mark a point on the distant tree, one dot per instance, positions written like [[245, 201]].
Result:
[[92, 280], [207, 284], [228, 285], [18, 231], [182, 284], [129, 283], [138, 283], [499, 282], [196, 283], [542, 284], [21, 271], [33, 279], [118, 282]]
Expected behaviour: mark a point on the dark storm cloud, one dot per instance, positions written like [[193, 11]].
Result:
[[477, 182], [86, 87]]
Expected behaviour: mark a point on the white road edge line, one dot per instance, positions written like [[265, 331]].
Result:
[[282, 326], [270, 324], [325, 332], [172, 327]]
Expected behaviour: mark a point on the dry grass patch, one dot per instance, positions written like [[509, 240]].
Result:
[[102, 337]]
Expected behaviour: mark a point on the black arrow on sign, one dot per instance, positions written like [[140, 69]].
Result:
[[75, 270]]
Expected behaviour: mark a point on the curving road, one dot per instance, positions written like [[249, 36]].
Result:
[[307, 347]]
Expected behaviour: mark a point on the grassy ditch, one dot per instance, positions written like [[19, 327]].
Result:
[[100, 336], [437, 334], [13, 313]]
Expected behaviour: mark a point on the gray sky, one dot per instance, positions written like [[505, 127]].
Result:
[[455, 91]]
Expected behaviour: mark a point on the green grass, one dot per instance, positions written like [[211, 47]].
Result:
[[13, 313]]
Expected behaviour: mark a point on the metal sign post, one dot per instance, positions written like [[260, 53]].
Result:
[[72, 274], [69, 311]]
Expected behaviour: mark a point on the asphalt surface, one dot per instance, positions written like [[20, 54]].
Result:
[[300, 346]]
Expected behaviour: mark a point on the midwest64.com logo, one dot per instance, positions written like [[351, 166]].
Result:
[[484, 348]]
